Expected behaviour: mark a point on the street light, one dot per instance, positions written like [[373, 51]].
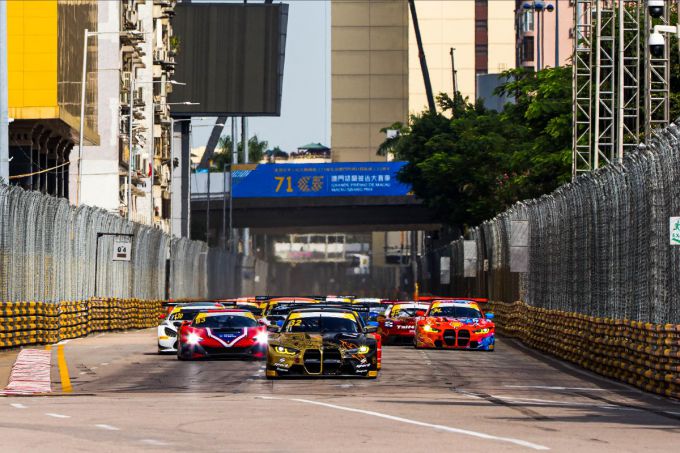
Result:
[[540, 8]]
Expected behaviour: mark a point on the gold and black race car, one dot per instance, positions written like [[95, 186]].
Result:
[[322, 342]]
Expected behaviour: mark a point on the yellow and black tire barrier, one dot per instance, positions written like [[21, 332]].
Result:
[[29, 323], [645, 355]]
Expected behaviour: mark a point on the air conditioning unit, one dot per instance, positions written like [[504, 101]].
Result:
[[131, 17]]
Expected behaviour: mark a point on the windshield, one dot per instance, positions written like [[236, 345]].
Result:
[[405, 312], [185, 315], [253, 309], [321, 324], [456, 312], [226, 322], [284, 309]]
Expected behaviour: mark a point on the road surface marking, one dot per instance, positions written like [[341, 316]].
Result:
[[104, 364], [450, 429], [63, 370], [545, 387], [107, 427], [154, 442], [52, 414], [18, 406]]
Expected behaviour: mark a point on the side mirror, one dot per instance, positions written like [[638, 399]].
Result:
[[420, 312], [490, 316], [370, 329], [273, 328]]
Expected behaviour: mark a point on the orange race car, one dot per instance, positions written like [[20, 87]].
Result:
[[455, 324]]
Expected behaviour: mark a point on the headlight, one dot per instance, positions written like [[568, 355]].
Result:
[[194, 339], [261, 337], [363, 349], [170, 332], [429, 328], [389, 324], [284, 350], [485, 330]]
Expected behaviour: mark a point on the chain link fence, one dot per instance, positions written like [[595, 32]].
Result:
[[51, 251], [599, 246]]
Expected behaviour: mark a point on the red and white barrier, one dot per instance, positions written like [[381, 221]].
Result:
[[30, 373]]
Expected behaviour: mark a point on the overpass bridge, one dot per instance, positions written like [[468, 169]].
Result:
[[358, 196]]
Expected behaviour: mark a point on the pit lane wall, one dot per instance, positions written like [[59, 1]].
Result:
[[30, 323], [596, 265], [645, 355]]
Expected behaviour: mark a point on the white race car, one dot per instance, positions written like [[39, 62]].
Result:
[[167, 330]]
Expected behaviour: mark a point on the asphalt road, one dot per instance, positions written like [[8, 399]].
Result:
[[125, 397]]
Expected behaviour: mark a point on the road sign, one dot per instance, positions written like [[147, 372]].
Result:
[[122, 249], [675, 231]]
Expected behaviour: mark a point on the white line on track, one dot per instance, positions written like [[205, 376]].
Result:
[[450, 429], [154, 442], [18, 406], [52, 414], [107, 427], [545, 387]]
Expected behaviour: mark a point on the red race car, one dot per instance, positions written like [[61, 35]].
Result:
[[398, 324], [222, 333], [455, 324]]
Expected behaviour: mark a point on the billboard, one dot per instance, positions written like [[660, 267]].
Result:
[[231, 58], [346, 179]]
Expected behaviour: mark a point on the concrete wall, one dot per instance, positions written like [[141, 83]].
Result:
[[100, 185], [369, 71]]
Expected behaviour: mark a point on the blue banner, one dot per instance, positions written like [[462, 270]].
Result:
[[320, 180]]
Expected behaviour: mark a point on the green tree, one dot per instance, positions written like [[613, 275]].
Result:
[[222, 156], [478, 162]]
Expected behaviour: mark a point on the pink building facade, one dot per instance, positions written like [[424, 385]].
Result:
[[544, 33]]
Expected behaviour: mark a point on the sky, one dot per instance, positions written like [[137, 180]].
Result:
[[305, 106]]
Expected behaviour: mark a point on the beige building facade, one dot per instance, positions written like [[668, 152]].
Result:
[[369, 75], [482, 32]]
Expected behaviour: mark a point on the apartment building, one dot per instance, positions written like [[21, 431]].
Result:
[[544, 33], [45, 58], [481, 34]]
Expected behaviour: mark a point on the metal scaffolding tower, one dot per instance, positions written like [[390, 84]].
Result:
[[657, 77], [582, 88], [604, 148], [628, 133], [612, 102]]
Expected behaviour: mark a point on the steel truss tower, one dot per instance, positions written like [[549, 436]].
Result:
[[610, 37], [657, 77]]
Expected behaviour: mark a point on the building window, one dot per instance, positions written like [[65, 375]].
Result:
[[528, 49], [481, 71], [481, 24], [481, 49], [527, 21]]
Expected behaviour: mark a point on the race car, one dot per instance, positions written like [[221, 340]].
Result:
[[398, 323], [167, 329], [455, 324], [322, 342], [222, 333], [277, 309]]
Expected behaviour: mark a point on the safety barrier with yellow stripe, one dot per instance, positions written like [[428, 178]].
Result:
[[645, 355], [27, 323]]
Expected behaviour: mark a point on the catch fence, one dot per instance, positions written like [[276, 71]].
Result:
[[599, 246], [51, 251]]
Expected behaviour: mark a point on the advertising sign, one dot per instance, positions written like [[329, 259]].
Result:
[[675, 231], [320, 180]]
